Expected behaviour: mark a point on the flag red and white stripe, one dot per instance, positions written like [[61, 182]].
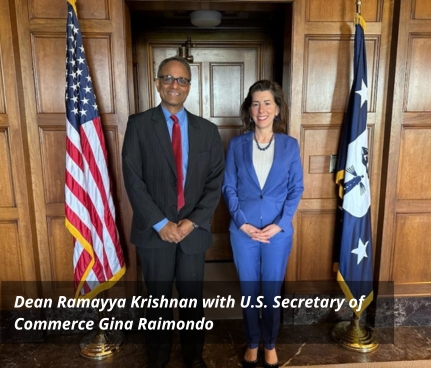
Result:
[[90, 213]]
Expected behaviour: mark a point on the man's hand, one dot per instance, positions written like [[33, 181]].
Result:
[[170, 233], [185, 227]]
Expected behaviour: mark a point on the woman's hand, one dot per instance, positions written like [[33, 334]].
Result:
[[254, 233], [263, 235], [250, 230], [271, 230]]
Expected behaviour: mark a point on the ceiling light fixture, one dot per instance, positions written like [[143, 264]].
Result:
[[205, 18]]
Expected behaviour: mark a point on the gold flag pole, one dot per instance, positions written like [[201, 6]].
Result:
[[353, 336], [358, 7], [358, 16], [100, 344]]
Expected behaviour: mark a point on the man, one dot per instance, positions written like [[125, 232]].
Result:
[[174, 186]]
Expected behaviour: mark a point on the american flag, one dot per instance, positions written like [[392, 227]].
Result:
[[354, 241], [90, 214]]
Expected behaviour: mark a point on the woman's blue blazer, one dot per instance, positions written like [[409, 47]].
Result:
[[277, 202]]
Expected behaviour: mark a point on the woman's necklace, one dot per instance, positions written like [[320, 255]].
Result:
[[259, 147]]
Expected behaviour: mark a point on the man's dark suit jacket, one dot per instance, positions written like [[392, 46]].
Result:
[[150, 178]]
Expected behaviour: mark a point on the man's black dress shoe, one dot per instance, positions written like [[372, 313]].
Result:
[[249, 363], [196, 363]]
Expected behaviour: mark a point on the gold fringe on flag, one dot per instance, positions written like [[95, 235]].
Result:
[[73, 3], [360, 20]]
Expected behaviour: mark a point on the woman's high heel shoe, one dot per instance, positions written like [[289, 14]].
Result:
[[272, 357], [249, 364], [267, 365]]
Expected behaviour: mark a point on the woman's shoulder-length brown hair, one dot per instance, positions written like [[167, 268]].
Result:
[[281, 122]]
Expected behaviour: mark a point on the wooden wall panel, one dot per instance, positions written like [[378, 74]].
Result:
[[49, 71], [421, 10], [227, 134], [315, 245], [112, 141], [95, 9], [12, 265], [195, 98], [220, 250], [60, 249], [318, 144], [412, 251], [11, 269], [226, 89], [53, 141], [7, 195], [100, 57], [341, 11], [322, 79], [414, 179], [328, 73], [2, 87], [418, 73]]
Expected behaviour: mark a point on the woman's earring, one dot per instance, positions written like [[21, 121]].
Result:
[[276, 118], [251, 121]]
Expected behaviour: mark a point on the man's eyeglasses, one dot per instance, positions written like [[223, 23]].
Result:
[[169, 79]]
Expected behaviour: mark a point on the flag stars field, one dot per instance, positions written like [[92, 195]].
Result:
[[361, 250], [363, 92]]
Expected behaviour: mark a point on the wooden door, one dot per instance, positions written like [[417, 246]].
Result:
[[17, 238], [406, 251], [221, 77]]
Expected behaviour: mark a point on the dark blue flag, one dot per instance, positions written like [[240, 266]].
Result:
[[355, 263]]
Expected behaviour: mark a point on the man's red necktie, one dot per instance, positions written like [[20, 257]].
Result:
[[178, 154]]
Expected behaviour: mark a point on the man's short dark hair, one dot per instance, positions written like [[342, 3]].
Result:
[[174, 58]]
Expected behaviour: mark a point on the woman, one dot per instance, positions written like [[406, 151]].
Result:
[[262, 188]]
